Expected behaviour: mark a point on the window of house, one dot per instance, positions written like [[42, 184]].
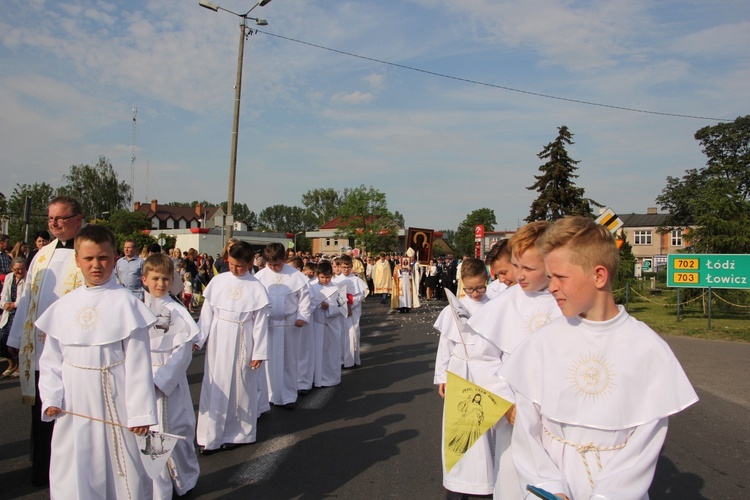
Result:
[[676, 239], [328, 242], [642, 238], [336, 243]]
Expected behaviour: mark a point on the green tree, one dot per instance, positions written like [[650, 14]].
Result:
[[464, 239], [365, 219], [125, 222], [282, 219], [322, 205], [714, 200], [41, 194], [96, 188], [558, 194]]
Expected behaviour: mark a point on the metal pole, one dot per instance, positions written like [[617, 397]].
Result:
[[236, 123], [678, 305], [709, 308]]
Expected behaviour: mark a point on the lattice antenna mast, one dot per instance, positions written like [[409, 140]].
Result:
[[132, 159]]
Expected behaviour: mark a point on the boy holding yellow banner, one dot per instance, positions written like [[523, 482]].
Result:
[[470, 410]]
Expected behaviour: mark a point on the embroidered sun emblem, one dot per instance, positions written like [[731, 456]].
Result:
[[87, 317], [536, 320], [235, 293], [592, 376]]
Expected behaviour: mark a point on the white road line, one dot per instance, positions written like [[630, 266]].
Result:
[[269, 457]]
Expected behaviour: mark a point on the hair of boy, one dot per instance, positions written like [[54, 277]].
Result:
[[274, 252], [158, 263], [187, 277], [242, 251], [96, 234], [526, 237], [311, 266], [345, 259], [473, 267], [324, 268], [590, 244], [296, 263], [154, 248], [72, 203], [500, 250]]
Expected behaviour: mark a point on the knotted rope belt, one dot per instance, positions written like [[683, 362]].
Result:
[[111, 409], [582, 449]]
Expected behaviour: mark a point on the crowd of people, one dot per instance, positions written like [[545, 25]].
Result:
[[591, 388]]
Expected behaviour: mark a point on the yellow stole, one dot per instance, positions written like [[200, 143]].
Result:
[[35, 280]]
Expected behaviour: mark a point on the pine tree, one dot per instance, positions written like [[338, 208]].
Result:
[[558, 194]]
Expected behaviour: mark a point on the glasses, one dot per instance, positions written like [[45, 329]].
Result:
[[478, 289], [59, 219]]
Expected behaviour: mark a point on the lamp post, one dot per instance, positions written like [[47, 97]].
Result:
[[237, 91]]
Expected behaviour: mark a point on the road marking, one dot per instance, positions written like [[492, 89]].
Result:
[[317, 399], [263, 465]]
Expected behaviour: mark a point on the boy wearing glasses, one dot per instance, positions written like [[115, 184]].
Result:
[[469, 356]]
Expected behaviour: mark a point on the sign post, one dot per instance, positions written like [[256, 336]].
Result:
[[478, 240]]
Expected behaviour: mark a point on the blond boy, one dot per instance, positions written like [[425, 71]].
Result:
[[171, 353], [593, 389]]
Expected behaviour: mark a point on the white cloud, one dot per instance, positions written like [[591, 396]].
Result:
[[355, 97]]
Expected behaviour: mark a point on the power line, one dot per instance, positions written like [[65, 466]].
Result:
[[492, 85]]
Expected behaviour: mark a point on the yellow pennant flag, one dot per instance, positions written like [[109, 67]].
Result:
[[470, 411]]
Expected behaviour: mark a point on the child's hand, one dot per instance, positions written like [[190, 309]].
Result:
[[196, 347], [324, 305], [441, 390], [300, 323], [52, 411], [510, 415], [141, 431], [255, 364]]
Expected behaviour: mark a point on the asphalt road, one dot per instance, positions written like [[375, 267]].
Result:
[[377, 434]]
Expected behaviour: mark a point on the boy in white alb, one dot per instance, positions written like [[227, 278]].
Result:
[[171, 352], [97, 368], [306, 346], [469, 356], [358, 290], [234, 325], [505, 322], [501, 270], [289, 295], [595, 388], [329, 307]]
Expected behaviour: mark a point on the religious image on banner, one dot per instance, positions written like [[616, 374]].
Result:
[[156, 448], [470, 411], [420, 240]]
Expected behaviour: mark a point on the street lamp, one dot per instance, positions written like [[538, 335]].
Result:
[[295, 239], [244, 33]]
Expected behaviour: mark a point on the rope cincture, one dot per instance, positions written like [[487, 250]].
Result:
[[240, 362], [111, 409], [582, 449]]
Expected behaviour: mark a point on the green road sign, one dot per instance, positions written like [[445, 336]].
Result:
[[709, 270]]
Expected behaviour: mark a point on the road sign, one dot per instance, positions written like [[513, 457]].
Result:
[[609, 219], [479, 232], [709, 270]]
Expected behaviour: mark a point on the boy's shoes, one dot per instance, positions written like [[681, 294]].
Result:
[[6, 373], [229, 446], [290, 406], [303, 392], [15, 374], [204, 451]]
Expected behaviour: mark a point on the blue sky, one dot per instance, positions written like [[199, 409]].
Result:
[[71, 73]]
